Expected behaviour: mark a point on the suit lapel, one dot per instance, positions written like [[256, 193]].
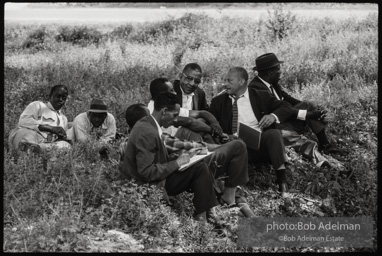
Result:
[[278, 91], [162, 149], [178, 92]]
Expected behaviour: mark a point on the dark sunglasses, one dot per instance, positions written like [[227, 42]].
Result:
[[189, 79]]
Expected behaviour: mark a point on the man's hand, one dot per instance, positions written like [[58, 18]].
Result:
[[232, 137], [183, 159], [216, 130], [316, 115], [266, 121], [59, 131]]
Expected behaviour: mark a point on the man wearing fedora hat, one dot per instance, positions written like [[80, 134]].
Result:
[[304, 112], [95, 124]]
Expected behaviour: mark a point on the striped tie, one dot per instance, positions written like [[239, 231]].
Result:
[[235, 114]]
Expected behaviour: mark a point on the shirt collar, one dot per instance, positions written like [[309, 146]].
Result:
[[184, 94], [158, 127], [265, 82], [52, 108], [244, 95]]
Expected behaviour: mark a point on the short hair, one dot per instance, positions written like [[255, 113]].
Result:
[[192, 66], [157, 86], [134, 113], [56, 87], [241, 72], [165, 99]]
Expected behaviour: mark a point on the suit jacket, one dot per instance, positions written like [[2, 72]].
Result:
[[262, 102], [256, 83], [199, 101], [146, 158]]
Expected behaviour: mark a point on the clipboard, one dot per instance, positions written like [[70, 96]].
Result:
[[194, 160], [249, 135]]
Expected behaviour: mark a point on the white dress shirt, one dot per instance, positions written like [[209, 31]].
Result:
[[245, 112], [187, 100]]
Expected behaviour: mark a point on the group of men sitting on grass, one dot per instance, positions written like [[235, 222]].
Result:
[[178, 124]]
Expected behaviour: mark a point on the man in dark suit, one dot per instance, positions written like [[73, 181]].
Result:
[[147, 161], [259, 110], [304, 112], [190, 96]]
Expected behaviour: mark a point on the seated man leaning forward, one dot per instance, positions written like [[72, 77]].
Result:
[[188, 124], [42, 125], [229, 159], [96, 124], [147, 161], [259, 110]]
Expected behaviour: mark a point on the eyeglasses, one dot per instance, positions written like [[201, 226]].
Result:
[[189, 79]]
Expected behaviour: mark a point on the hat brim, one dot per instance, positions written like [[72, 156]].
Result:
[[97, 111], [255, 68]]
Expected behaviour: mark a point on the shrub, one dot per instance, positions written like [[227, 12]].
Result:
[[37, 39], [81, 35], [121, 32], [280, 23]]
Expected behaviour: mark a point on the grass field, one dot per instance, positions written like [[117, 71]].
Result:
[[72, 206]]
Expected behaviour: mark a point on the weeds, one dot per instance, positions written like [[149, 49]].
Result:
[[72, 202]]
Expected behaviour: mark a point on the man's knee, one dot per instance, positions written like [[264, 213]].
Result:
[[201, 169], [272, 134], [238, 146], [311, 105]]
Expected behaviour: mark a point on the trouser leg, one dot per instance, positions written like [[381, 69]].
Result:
[[187, 134], [197, 179], [271, 148], [233, 160]]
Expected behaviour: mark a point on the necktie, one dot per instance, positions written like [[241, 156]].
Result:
[[235, 113], [273, 92]]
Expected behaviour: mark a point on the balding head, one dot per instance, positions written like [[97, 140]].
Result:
[[240, 72], [235, 81]]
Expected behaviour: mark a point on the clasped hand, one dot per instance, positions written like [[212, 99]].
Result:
[[59, 131], [316, 115]]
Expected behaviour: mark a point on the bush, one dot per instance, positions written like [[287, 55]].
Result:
[[37, 39], [121, 32], [81, 35], [280, 23]]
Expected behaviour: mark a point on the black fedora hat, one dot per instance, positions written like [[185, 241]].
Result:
[[266, 61]]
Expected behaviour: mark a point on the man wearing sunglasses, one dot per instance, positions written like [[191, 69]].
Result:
[[190, 96]]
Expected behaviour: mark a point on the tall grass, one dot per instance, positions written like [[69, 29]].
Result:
[[332, 62]]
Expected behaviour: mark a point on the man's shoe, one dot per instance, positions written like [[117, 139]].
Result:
[[26, 146], [331, 149], [283, 190]]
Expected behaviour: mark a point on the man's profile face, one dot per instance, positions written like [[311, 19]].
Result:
[[275, 74], [169, 116], [190, 80], [233, 83], [97, 119]]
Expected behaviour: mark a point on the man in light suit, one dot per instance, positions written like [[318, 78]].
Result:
[[259, 110], [147, 161], [304, 112]]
